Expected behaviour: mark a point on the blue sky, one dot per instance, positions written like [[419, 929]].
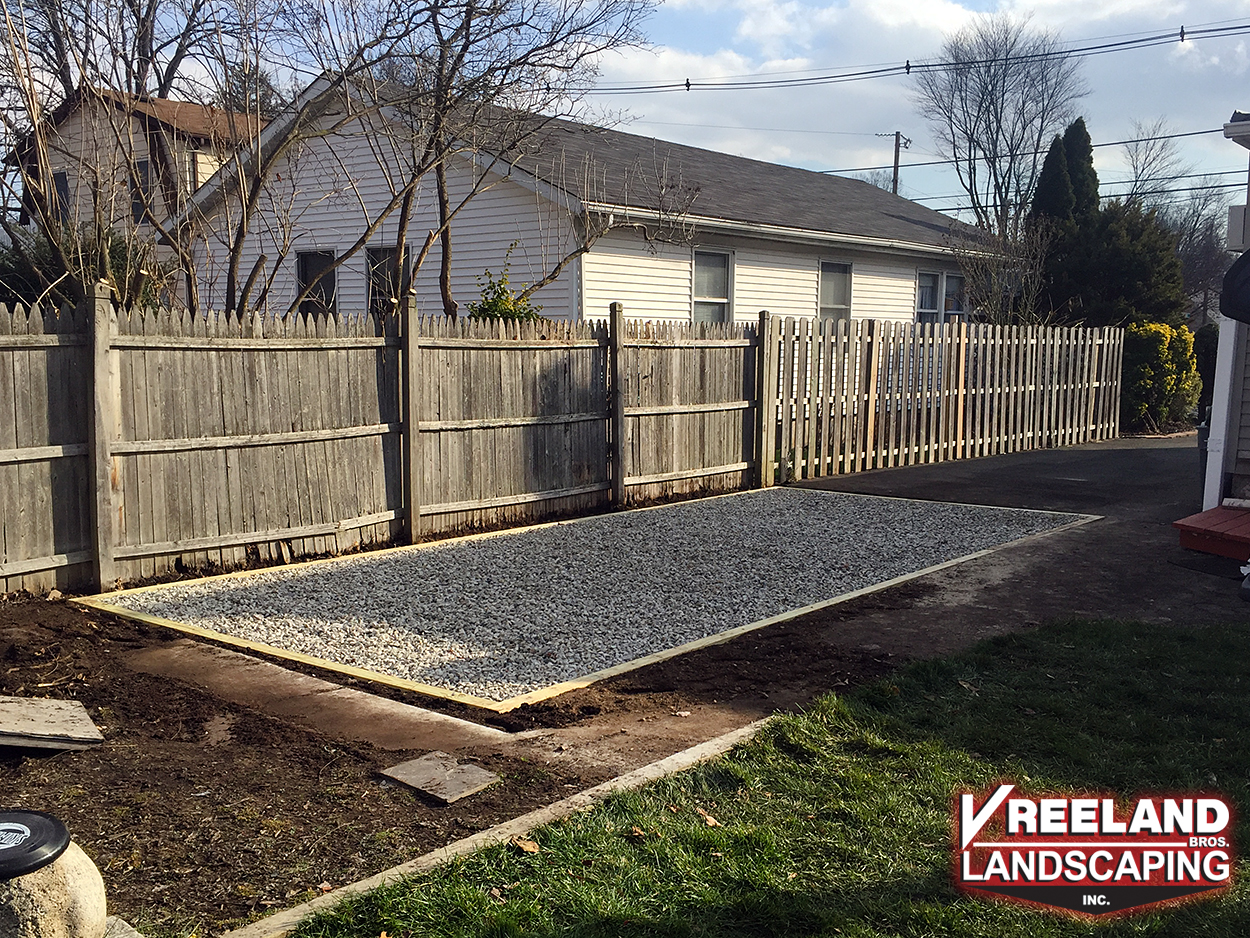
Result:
[[1192, 85]]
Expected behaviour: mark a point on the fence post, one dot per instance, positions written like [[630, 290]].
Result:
[[410, 382], [761, 398], [616, 400], [104, 394], [766, 411]]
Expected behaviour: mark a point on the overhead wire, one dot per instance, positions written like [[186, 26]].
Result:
[[907, 67]]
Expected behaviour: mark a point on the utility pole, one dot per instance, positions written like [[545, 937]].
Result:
[[900, 142]]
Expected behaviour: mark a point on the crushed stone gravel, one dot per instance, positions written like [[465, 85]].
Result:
[[504, 615]]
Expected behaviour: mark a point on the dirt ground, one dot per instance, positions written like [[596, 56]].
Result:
[[202, 813]]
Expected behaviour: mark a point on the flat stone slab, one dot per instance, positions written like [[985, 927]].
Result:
[[438, 774], [46, 724]]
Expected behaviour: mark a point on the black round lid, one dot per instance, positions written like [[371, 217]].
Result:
[[29, 840]]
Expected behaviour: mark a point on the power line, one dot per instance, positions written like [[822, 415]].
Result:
[[1228, 185], [1109, 143], [907, 67], [770, 130], [1117, 182]]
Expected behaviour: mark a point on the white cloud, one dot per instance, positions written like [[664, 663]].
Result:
[[1195, 85]]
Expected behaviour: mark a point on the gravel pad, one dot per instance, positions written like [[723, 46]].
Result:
[[500, 616]]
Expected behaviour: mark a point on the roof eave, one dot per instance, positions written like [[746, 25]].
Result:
[[780, 232]]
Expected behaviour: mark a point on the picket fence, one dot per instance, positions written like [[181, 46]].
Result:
[[135, 444]]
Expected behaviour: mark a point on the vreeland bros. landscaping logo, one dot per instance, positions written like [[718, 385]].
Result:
[[1092, 855]]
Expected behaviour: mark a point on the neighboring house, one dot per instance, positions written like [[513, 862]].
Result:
[[99, 154], [684, 233], [1223, 527]]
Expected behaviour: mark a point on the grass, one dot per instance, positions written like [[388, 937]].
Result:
[[836, 821]]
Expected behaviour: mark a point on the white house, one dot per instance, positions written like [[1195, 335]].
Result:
[[1223, 526], [684, 233]]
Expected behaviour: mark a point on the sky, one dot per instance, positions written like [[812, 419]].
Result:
[[1193, 85]]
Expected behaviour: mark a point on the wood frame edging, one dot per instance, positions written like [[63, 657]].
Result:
[[101, 604]]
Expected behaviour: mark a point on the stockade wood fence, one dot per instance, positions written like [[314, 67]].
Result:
[[152, 441], [871, 394], [136, 443]]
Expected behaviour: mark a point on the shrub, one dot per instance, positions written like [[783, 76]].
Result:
[[499, 301], [1160, 377]]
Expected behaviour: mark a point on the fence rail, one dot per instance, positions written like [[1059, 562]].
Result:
[[135, 444]]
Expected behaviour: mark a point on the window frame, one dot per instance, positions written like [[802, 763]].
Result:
[[939, 314], [60, 192], [696, 299], [850, 289], [316, 302]]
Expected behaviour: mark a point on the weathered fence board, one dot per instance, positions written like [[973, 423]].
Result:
[[136, 443], [45, 530]]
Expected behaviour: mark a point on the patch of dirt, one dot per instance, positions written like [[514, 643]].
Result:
[[203, 813], [200, 812]]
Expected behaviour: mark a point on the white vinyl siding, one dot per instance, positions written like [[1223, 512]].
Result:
[[331, 204], [881, 290], [652, 285], [784, 284]]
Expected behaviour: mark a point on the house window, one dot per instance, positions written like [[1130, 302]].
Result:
[[955, 304], [835, 291], [384, 280], [311, 268], [711, 287], [140, 189], [193, 169], [60, 186], [940, 298], [928, 289]]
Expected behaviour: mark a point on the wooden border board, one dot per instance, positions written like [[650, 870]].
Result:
[[100, 602]]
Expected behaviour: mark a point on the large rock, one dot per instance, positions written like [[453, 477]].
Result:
[[64, 899]]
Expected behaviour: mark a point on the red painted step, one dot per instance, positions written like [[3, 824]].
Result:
[[1221, 531]]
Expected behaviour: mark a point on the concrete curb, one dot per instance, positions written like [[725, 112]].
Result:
[[283, 923]]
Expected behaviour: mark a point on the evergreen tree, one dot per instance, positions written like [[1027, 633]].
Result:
[[1053, 198], [1080, 155]]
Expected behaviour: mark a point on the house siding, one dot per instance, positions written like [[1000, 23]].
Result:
[[780, 282], [331, 194], [653, 281]]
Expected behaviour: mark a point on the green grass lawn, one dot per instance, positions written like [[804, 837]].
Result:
[[836, 821]]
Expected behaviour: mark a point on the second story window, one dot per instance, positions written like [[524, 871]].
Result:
[[140, 190], [711, 287]]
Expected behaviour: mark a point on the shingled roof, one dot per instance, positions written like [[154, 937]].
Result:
[[629, 167]]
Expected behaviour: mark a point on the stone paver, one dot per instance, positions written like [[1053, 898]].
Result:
[[438, 774]]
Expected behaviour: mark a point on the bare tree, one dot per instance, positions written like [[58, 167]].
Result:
[[996, 96], [1004, 274], [1157, 176], [1154, 163]]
